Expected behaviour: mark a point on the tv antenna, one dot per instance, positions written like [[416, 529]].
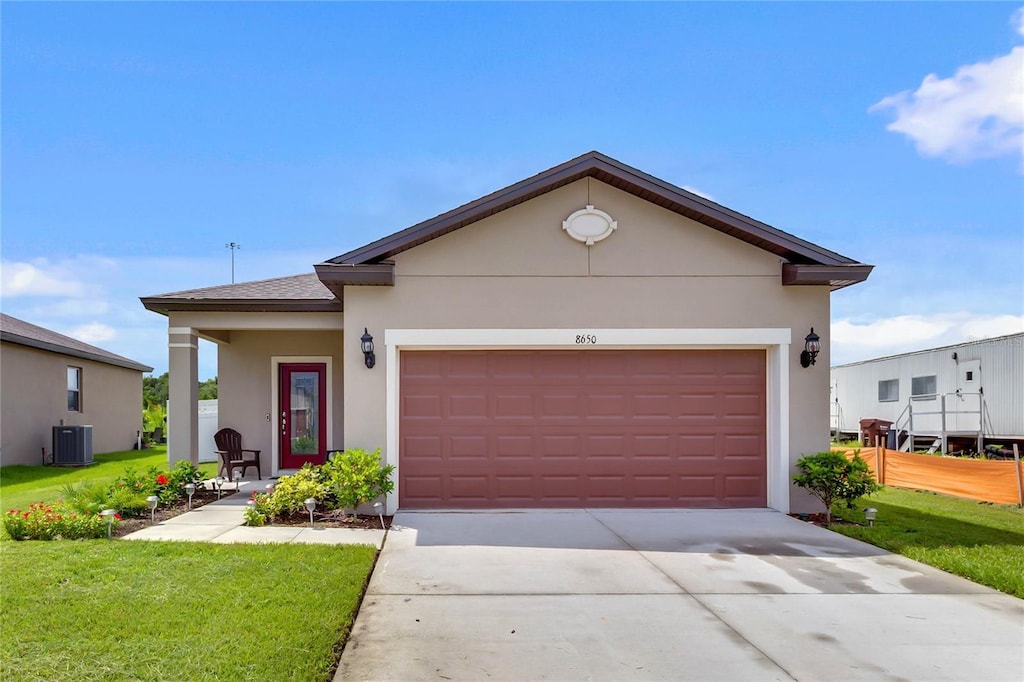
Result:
[[232, 246]]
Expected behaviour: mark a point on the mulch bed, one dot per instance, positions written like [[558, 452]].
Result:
[[333, 519], [818, 519], [330, 519]]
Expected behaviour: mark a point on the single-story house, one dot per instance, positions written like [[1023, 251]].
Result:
[[591, 336], [48, 379]]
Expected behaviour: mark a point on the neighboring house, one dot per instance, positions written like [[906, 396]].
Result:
[[589, 337], [48, 379], [978, 384]]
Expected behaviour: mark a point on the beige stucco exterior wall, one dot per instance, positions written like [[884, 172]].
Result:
[[34, 400], [245, 372], [519, 270]]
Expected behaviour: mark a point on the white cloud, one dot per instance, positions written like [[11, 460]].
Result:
[[694, 190], [93, 332], [976, 113], [39, 279], [853, 341]]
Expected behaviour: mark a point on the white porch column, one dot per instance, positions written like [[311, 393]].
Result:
[[183, 395]]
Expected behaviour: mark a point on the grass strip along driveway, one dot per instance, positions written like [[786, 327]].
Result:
[[979, 541], [99, 610]]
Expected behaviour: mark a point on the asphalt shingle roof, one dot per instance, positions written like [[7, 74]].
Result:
[[13, 330], [295, 287]]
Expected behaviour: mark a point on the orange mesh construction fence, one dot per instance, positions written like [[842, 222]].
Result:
[[998, 481]]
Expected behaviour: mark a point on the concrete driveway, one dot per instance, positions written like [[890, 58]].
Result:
[[667, 594]]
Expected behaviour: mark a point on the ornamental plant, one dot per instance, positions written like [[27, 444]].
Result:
[[831, 477], [290, 492], [356, 477], [43, 521], [257, 513]]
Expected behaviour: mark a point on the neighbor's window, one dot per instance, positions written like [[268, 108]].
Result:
[[923, 388], [888, 390], [74, 389]]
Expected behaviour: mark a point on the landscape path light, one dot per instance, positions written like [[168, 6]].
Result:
[[310, 505], [869, 514], [153, 501], [108, 516], [190, 490], [379, 508], [219, 482]]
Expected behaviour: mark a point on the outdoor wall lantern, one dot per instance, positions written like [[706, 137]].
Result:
[[190, 490], [153, 501], [366, 344], [812, 345], [310, 505]]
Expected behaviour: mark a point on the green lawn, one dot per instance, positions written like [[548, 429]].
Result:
[[22, 485], [979, 541], [101, 610]]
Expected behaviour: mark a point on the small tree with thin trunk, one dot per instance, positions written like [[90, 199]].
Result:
[[830, 476]]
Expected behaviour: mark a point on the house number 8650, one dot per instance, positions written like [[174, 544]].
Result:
[[586, 338]]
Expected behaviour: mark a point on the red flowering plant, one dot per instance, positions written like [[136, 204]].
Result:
[[44, 521]]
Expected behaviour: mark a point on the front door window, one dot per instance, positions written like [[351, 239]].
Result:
[[303, 414]]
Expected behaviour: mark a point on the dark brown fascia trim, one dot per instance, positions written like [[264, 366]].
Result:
[[73, 352], [616, 174], [835, 276], [164, 306], [360, 274]]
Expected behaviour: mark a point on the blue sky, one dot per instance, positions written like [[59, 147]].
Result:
[[139, 138]]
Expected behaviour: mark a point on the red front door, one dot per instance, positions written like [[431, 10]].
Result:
[[303, 414]]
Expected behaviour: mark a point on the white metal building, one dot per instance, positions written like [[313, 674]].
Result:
[[973, 389]]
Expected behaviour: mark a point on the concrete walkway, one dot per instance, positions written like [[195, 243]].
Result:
[[669, 595], [221, 521]]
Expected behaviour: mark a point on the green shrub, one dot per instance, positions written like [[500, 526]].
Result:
[[290, 492], [182, 473], [45, 522], [356, 477], [830, 477], [86, 497]]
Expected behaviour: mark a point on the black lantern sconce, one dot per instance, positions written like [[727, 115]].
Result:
[[366, 344], [812, 345]]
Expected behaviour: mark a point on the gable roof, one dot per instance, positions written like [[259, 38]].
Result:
[[292, 293], [369, 264], [13, 330]]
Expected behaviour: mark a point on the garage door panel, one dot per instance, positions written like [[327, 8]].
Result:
[[469, 447], [582, 428], [462, 406]]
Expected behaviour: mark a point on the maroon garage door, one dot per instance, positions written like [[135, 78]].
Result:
[[644, 428]]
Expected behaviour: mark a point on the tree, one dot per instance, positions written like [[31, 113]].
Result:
[[154, 390], [208, 389], [829, 476]]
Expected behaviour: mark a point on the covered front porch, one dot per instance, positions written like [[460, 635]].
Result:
[[280, 366]]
